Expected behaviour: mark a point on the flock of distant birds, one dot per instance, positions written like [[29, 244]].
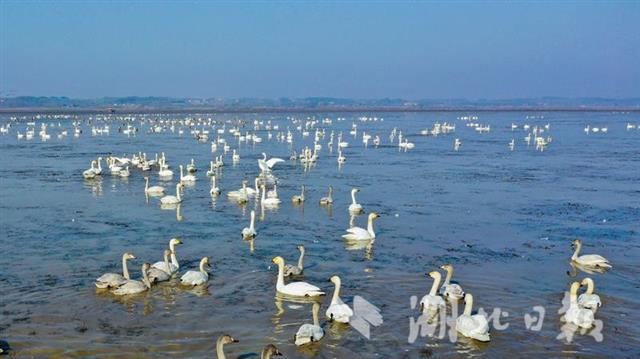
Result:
[[581, 310]]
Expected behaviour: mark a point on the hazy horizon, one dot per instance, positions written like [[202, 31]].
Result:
[[376, 50]]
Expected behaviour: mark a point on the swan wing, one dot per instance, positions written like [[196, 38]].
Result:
[[339, 312], [194, 278], [272, 161], [157, 275], [453, 291], [594, 260], [302, 289], [356, 233], [110, 280]]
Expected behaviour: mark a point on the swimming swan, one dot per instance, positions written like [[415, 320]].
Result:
[[338, 311], [588, 300], [355, 207], [291, 270], [431, 302], [448, 289], [200, 277], [581, 317], [161, 275], [357, 233], [222, 340], [187, 178], [214, 191], [296, 289], [173, 199], [324, 201], [250, 232], [298, 198], [153, 190], [589, 260], [472, 326], [269, 202], [266, 165], [135, 286], [114, 280], [174, 265], [309, 333]]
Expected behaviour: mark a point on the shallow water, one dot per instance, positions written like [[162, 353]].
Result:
[[504, 219]]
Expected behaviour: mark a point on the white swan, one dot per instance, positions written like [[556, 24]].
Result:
[[191, 167], [174, 265], [448, 289], [355, 207], [222, 340], [214, 191], [291, 270], [211, 171], [581, 317], [135, 286], [266, 165], [125, 172], [357, 233], [325, 201], [472, 326], [240, 193], [165, 171], [113, 280], [269, 202], [431, 302], [250, 232], [296, 289], [153, 190], [588, 260], [309, 333], [198, 277], [588, 300], [298, 198], [90, 173], [98, 170], [161, 275], [338, 311], [173, 199], [187, 178]]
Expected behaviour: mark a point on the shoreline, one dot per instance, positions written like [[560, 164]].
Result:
[[164, 110]]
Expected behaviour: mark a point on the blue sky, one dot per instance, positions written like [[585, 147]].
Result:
[[377, 49]]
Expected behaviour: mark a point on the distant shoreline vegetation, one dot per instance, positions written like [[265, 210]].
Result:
[[134, 104]]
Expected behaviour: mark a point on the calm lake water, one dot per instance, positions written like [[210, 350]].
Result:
[[505, 219]]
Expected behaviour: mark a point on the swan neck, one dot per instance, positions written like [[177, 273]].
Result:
[[125, 270], [253, 220], [353, 197], [336, 293], [370, 227], [280, 282], [577, 251], [573, 295], [166, 263], [315, 310], [447, 279], [468, 305], [590, 286], [202, 269], [301, 260], [145, 278], [174, 259], [220, 349], [435, 285]]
